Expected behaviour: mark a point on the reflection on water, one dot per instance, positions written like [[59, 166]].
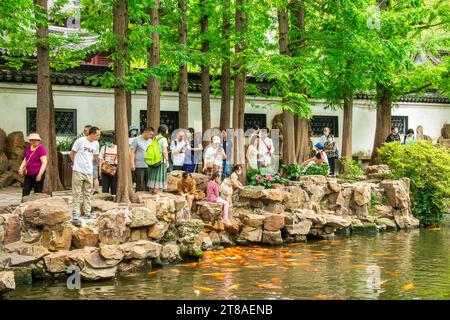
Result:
[[403, 265]]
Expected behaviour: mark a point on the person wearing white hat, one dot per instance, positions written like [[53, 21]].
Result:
[[214, 156], [33, 166]]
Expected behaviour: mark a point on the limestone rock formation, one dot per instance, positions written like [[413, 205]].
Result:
[[112, 227], [7, 282]]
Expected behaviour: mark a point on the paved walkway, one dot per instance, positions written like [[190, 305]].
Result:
[[13, 195]]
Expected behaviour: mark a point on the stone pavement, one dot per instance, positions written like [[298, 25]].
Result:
[[13, 195]]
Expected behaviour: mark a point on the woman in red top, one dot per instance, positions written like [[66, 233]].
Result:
[[33, 166]]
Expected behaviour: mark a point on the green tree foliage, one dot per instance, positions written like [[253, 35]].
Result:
[[427, 166], [18, 20]]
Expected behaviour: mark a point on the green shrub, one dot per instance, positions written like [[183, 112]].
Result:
[[294, 170], [315, 169], [428, 207], [428, 168], [257, 177], [350, 169]]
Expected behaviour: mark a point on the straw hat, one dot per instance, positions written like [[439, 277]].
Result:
[[34, 136], [216, 139]]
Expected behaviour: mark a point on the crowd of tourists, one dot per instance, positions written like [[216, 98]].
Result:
[[153, 154]]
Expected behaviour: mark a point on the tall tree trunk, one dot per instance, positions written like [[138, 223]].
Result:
[[302, 139], [240, 74], [225, 103], [129, 106], [206, 103], [153, 85], [288, 116], [124, 186], [302, 125], [183, 113], [348, 125], [384, 103], [45, 117], [383, 126]]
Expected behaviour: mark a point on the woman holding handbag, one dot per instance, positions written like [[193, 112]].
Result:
[[332, 152], [108, 166], [33, 166]]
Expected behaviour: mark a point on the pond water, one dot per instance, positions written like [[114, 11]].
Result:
[[400, 265]]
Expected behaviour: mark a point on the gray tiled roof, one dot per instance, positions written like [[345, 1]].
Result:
[[81, 77]]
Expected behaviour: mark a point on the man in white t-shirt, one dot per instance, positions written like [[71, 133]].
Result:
[[179, 148], [84, 151]]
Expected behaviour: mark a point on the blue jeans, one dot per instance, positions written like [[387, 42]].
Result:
[[226, 171]]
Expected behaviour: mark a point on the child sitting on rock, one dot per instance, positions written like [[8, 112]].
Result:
[[230, 184], [212, 195], [188, 189]]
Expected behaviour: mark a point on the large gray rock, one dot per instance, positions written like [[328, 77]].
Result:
[[92, 274], [132, 265], [170, 252], [333, 185], [142, 249], [7, 282], [313, 180], [59, 261], [206, 241], [299, 228], [85, 237], [273, 222], [387, 223], [272, 238], [397, 193], [112, 227], [47, 212], [338, 221], [226, 239], [142, 217], [251, 234], [253, 220], [209, 211], [33, 250], [112, 253], [252, 192], [18, 260], [96, 261], [57, 237], [405, 220], [274, 194], [158, 230], [103, 206], [384, 211], [361, 194]]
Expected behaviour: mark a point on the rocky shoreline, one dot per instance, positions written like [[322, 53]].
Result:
[[37, 240]]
